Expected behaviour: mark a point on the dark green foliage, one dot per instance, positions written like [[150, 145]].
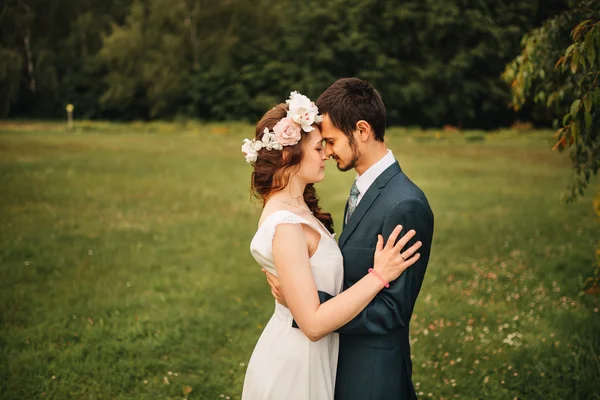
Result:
[[51, 48], [435, 62], [559, 70]]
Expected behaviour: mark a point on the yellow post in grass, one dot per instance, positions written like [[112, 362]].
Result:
[[70, 109]]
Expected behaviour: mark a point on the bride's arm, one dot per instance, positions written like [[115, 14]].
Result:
[[290, 254]]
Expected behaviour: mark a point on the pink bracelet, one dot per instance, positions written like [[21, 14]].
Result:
[[378, 275]]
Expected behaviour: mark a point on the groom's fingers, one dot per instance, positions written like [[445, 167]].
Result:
[[276, 292], [273, 281], [269, 275], [277, 296]]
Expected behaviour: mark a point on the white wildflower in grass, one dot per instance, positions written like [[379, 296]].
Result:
[[513, 339]]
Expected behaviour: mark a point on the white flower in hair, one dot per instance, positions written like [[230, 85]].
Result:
[[303, 111], [248, 150], [269, 141]]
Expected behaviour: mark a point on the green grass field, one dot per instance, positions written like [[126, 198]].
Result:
[[126, 271]]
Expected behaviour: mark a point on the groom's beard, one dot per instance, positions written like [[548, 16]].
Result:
[[352, 163]]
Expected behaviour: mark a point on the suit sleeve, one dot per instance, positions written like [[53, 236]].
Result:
[[392, 308]]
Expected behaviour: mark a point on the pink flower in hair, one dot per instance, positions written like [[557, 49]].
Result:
[[287, 132]]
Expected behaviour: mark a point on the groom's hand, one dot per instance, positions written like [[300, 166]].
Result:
[[275, 291]]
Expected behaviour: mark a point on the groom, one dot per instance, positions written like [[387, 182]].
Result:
[[374, 359]]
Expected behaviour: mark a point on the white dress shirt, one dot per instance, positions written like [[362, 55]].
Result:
[[364, 181]]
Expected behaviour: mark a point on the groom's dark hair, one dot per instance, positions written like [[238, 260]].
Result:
[[350, 100]]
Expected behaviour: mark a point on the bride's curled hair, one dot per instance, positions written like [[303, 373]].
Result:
[[273, 169]]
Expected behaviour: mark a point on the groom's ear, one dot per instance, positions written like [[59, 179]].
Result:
[[363, 129]]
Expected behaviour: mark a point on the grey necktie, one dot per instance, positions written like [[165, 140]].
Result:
[[352, 200]]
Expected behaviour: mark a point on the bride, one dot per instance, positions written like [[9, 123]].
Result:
[[295, 242]]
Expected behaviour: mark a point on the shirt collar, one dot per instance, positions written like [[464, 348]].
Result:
[[364, 181]]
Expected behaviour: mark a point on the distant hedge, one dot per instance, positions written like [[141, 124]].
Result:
[[435, 62]]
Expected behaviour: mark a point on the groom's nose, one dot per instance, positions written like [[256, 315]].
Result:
[[328, 151]]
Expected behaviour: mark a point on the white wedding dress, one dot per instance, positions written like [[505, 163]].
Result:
[[285, 364]]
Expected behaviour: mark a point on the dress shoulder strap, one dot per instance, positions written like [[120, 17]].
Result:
[[280, 217]]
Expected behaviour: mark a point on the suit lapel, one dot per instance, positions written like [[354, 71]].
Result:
[[366, 202]]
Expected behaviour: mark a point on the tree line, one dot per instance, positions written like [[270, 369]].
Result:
[[435, 62]]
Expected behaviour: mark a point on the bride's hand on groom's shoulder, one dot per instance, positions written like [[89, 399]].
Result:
[[390, 259], [273, 281]]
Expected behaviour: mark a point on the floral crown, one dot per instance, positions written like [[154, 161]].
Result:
[[302, 114]]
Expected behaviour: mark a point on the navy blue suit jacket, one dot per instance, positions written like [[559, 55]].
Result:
[[374, 360]]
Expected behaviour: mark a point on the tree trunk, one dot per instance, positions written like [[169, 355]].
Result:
[[29, 62]]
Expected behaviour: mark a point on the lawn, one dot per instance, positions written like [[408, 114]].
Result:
[[126, 271]]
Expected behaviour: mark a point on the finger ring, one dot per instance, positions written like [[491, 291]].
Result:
[[401, 256]]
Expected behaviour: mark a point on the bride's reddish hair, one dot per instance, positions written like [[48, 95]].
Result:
[[273, 169]]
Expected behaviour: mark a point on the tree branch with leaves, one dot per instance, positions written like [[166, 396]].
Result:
[[558, 70]]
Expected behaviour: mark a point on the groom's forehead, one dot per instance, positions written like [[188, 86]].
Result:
[[328, 130], [329, 133]]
